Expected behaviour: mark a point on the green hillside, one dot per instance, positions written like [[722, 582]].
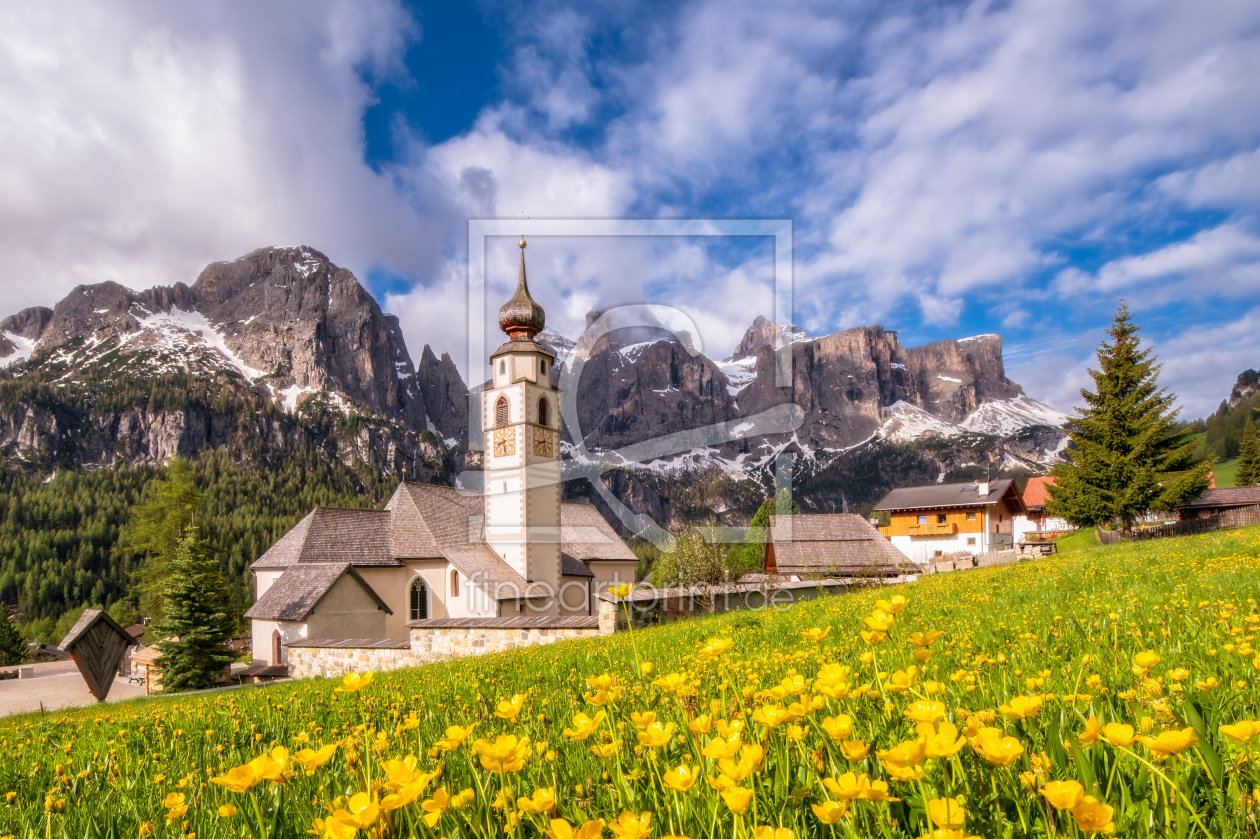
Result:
[[774, 709]]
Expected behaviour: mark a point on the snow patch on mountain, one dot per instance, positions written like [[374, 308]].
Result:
[[1000, 418], [25, 346], [178, 327], [739, 374]]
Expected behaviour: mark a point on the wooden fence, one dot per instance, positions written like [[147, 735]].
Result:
[[1237, 517]]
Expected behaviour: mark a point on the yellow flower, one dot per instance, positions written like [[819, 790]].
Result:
[[941, 741], [656, 735], [642, 720], [1240, 732], [10, 797], [463, 798], [510, 709], [436, 806], [403, 772], [925, 710], [1064, 795], [670, 682], [238, 778], [1170, 742], [854, 750], [561, 829], [716, 647], [1022, 707], [879, 621], [1146, 659], [906, 754], [816, 634], [830, 812], [681, 778], [455, 737], [584, 726], [1118, 734], [991, 745], [770, 715], [893, 606], [605, 749], [227, 811], [764, 832], [877, 791], [1093, 816], [361, 812], [175, 806], [646, 668], [506, 754], [353, 682], [838, 728], [1089, 736], [923, 639], [543, 801], [620, 592], [847, 787], [701, 724], [873, 638], [311, 759], [718, 748], [737, 799], [946, 812], [630, 826], [902, 680]]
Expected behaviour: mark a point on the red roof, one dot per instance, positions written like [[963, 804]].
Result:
[[1036, 494]]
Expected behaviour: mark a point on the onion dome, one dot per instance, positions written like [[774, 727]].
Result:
[[521, 317]]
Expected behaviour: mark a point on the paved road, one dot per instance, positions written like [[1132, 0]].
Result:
[[56, 688]]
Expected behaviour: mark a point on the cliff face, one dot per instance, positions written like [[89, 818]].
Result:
[[281, 348]]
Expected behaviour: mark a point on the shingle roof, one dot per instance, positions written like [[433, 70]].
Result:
[[1036, 494], [945, 495], [483, 567], [586, 534], [839, 545], [86, 621], [570, 567], [333, 535], [296, 592], [539, 622], [1227, 497]]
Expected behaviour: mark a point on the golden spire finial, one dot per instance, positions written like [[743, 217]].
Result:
[[522, 243]]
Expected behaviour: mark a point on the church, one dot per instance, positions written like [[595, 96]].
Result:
[[436, 553]]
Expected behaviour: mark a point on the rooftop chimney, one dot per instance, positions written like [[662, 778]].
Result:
[[982, 488]]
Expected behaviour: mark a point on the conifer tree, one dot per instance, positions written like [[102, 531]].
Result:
[[12, 647], [1248, 457], [196, 626], [751, 556], [1128, 456]]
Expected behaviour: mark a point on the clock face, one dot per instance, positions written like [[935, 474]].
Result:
[[543, 446], [504, 442]]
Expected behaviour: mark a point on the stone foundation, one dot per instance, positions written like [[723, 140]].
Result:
[[434, 640]]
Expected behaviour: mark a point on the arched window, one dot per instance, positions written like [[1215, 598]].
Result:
[[419, 600], [454, 583], [542, 410], [276, 649], [501, 412], [502, 367], [544, 367]]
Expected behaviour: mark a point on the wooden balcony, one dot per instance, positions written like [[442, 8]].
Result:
[[946, 529]]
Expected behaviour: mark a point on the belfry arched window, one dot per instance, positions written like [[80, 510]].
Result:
[[454, 583], [419, 597], [501, 412], [542, 410]]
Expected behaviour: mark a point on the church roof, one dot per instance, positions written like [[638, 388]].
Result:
[[296, 592], [420, 521], [839, 545], [333, 535]]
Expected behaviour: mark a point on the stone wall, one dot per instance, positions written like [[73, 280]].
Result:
[[436, 640], [983, 561]]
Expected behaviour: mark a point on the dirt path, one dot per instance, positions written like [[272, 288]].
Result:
[[56, 690]]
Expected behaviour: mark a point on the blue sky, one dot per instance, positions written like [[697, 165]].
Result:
[[950, 169]]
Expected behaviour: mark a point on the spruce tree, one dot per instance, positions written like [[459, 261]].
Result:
[[196, 626], [12, 647], [752, 555], [1128, 456], [1248, 457]]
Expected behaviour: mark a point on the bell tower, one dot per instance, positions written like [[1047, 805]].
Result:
[[520, 415]]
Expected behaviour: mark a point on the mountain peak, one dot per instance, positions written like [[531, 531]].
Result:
[[762, 333]]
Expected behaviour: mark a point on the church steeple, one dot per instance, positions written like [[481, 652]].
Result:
[[521, 317]]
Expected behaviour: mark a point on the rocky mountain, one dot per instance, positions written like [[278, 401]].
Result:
[[280, 347]]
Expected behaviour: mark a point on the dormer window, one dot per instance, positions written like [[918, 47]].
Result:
[[501, 412], [542, 410]]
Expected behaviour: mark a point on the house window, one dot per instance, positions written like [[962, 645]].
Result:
[[971, 516], [971, 541], [938, 553], [454, 583], [542, 410], [501, 412], [419, 600], [941, 518], [922, 519]]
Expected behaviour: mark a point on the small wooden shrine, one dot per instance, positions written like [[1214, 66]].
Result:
[[97, 644]]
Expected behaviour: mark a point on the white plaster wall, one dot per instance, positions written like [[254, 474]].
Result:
[[263, 580], [922, 549], [261, 636]]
